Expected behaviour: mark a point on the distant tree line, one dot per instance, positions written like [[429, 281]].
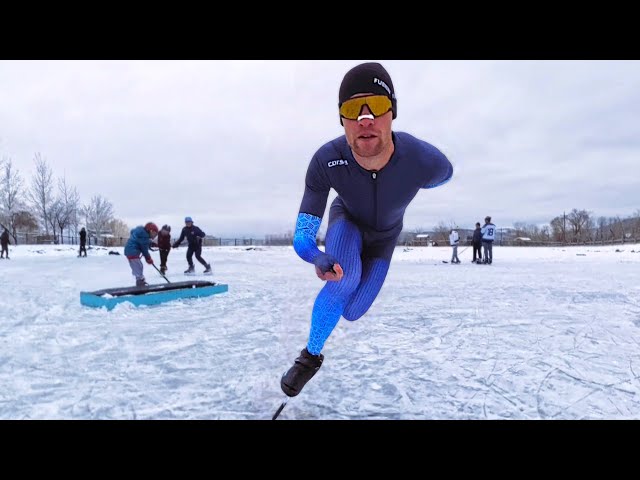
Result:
[[577, 226], [51, 206], [581, 226]]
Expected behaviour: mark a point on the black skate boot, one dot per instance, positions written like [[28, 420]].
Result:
[[190, 271], [304, 368], [141, 283], [207, 271]]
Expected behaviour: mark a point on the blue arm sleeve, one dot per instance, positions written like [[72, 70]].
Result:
[[304, 238]]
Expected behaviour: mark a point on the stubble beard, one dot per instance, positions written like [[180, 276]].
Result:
[[368, 148]]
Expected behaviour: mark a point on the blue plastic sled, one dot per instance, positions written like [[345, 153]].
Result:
[[152, 294]]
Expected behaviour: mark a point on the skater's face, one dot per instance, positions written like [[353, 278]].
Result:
[[370, 136]]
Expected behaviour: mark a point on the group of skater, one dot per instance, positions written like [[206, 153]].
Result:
[[483, 238], [145, 238]]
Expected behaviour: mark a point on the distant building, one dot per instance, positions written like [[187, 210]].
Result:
[[104, 237]]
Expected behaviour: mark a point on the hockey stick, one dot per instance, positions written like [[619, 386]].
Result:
[[154, 266]]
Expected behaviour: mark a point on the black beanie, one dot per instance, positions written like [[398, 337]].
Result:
[[367, 77]]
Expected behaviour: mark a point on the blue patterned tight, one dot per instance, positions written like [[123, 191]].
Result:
[[352, 296]]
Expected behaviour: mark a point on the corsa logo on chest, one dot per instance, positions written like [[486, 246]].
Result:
[[335, 163]]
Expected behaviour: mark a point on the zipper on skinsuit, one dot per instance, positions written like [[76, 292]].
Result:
[[374, 176]]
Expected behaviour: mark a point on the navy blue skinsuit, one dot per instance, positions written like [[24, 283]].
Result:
[[365, 221]]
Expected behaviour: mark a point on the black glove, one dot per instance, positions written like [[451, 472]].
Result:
[[325, 262]]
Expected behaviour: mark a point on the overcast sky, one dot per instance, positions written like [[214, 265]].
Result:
[[229, 142]]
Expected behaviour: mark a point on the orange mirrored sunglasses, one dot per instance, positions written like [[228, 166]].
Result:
[[378, 105]]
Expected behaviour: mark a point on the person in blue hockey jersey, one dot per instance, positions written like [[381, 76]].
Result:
[[488, 231], [376, 173]]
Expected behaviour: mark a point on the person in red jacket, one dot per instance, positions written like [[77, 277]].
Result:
[[164, 246]]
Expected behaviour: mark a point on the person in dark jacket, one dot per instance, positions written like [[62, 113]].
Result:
[[83, 242], [164, 246], [477, 244], [138, 246], [4, 241], [194, 238]]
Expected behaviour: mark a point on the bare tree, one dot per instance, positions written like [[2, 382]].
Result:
[[601, 229], [24, 220], [558, 229], [41, 188], [66, 206], [11, 193], [521, 229], [545, 233], [98, 213], [442, 231], [2, 211], [119, 229], [589, 229], [635, 224], [616, 228], [53, 213], [579, 222]]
